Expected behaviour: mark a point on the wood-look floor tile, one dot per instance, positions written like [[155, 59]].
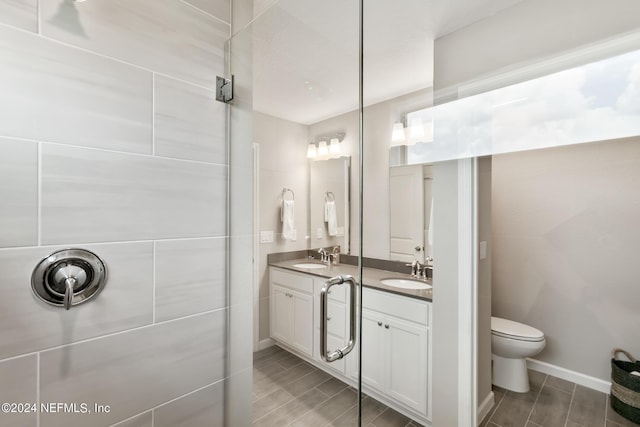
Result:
[[391, 418], [560, 384], [329, 410], [271, 401], [292, 410], [588, 407], [332, 387], [551, 408], [307, 382], [371, 409]]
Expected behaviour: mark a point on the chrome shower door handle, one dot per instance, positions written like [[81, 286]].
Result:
[[331, 356]]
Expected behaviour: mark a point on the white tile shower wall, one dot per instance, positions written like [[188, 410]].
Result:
[[143, 420], [190, 277], [78, 169], [19, 385], [140, 369], [113, 196], [166, 36], [188, 122], [53, 92], [200, 408], [20, 13], [219, 8], [29, 325], [19, 194]]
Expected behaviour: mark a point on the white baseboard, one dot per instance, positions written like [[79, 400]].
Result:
[[266, 343], [573, 376], [485, 407]]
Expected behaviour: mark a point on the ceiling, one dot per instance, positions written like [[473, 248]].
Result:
[[306, 51]]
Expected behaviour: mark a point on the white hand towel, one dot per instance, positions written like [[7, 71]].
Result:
[[331, 217], [288, 220]]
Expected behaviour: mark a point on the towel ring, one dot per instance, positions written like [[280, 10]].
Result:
[[329, 196], [288, 190]]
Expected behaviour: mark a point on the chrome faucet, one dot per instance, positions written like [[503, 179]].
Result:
[[324, 256], [420, 270], [334, 256]]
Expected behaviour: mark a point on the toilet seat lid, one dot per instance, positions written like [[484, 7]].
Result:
[[515, 330]]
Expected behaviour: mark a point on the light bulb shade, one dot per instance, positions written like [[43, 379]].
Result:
[[398, 133], [323, 150], [312, 151], [417, 128], [334, 147]]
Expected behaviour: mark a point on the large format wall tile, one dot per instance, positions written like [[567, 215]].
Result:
[[203, 408], [221, 9], [19, 385], [58, 93], [27, 324], [189, 122], [143, 420], [20, 13], [95, 196], [166, 36], [135, 370], [190, 277], [19, 193]]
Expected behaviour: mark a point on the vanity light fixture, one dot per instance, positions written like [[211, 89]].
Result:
[[323, 150], [397, 136], [312, 151], [325, 146], [334, 147]]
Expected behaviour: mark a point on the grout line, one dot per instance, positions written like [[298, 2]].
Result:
[[118, 60], [573, 394], [153, 114], [39, 19], [39, 192], [208, 14], [537, 397], [153, 284], [121, 242], [107, 150], [137, 328]]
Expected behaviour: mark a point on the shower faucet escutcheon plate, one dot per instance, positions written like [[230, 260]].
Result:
[[68, 277]]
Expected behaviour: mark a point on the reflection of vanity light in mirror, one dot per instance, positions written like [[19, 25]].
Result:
[[418, 131], [325, 147]]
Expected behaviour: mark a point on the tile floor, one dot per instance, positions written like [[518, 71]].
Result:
[[553, 402], [287, 391]]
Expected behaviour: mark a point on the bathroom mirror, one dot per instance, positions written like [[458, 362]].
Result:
[[329, 202]]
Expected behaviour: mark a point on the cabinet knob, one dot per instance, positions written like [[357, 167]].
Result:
[[379, 323], [386, 326], [328, 318]]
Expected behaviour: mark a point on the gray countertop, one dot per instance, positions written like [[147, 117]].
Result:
[[371, 276]]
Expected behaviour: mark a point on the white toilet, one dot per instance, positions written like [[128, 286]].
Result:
[[511, 343]]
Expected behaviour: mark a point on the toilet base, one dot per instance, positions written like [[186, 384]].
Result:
[[510, 374]]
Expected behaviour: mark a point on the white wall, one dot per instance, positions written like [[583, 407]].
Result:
[[283, 163], [565, 228], [111, 140], [528, 32]]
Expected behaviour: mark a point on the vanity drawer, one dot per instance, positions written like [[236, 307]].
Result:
[[337, 293], [295, 281], [398, 306]]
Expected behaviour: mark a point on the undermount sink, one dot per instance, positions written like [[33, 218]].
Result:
[[309, 265], [405, 283]]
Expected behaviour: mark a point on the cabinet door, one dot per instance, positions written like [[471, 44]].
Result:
[[407, 363], [281, 314], [372, 342], [302, 327]]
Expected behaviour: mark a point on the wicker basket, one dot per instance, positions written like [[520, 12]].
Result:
[[625, 387]]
